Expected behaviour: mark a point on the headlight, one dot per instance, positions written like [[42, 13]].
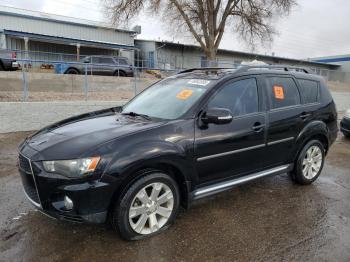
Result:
[[347, 113], [72, 168]]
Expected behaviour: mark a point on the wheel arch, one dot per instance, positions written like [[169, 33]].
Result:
[[119, 70], [316, 130], [72, 68], [170, 168]]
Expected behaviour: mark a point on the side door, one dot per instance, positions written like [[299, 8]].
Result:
[[232, 149], [285, 118], [107, 66], [151, 59], [95, 67]]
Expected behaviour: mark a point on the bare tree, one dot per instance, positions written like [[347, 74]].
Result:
[[207, 20]]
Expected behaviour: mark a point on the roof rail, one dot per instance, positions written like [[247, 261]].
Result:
[[245, 68], [204, 69], [284, 67]]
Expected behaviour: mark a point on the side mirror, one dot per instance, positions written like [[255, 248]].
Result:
[[217, 116]]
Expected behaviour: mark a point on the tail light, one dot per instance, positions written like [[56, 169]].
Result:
[[14, 55]]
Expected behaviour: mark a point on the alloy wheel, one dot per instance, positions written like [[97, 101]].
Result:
[[312, 162], [151, 208]]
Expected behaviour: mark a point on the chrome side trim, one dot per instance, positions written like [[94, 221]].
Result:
[[280, 141], [36, 187], [229, 152], [213, 189], [31, 200]]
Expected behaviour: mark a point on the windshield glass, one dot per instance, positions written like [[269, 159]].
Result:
[[168, 99]]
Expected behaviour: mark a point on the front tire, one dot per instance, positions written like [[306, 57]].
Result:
[[309, 164], [147, 208]]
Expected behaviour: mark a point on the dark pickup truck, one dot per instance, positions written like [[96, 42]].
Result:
[[8, 60]]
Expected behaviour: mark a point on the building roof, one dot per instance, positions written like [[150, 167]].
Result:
[[332, 59], [57, 18], [251, 55], [57, 39]]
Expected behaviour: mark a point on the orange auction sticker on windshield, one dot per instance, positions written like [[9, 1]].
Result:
[[184, 94], [279, 93]]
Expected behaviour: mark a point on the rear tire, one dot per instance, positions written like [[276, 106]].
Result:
[[346, 134], [309, 163], [121, 73], [147, 208], [72, 71], [2, 67]]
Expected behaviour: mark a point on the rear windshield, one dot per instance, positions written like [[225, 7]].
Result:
[[168, 99]]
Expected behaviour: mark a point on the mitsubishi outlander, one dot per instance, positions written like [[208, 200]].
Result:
[[186, 137]]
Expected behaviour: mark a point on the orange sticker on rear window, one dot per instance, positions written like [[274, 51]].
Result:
[[184, 94], [279, 93]]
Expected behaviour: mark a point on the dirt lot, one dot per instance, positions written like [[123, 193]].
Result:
[[267, 220]]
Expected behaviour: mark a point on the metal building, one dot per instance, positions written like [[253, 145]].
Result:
[[343, 61], [169, 55], [51, 37]]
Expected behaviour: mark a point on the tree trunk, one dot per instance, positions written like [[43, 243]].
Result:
[[211, 57]]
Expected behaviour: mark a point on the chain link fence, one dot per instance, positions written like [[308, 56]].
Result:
[[44, 76]]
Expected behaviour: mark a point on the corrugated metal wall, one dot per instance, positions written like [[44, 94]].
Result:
[[52, 28]]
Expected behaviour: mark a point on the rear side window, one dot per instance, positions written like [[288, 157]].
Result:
[[308, 91], [283, 92], [106, 60], [241, 97], [122, 61]]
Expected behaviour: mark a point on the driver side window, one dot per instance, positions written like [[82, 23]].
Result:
[[241, 97]]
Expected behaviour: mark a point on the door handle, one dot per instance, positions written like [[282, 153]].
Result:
[[257, 127], [304, 115]]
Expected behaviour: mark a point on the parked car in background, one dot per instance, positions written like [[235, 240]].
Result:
[[8, 60], [98, 65], [345, 124], [189, 136]]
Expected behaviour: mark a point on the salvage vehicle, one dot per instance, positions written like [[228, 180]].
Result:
[[97, 65], [188, 136], [8, 60], [345, 124]]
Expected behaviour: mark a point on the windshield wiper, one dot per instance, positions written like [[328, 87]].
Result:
[[134, 114]]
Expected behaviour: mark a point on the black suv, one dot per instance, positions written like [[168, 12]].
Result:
[[186, 137]]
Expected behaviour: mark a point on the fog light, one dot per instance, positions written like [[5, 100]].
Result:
[[68, 203]]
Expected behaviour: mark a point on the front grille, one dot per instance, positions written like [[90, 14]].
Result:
[[28, 179]]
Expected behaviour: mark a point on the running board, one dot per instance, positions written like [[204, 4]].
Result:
[[222, 186]]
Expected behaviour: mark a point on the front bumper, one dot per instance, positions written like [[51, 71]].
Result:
[[47, 191]]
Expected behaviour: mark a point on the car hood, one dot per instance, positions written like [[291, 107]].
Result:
[[73, 137]]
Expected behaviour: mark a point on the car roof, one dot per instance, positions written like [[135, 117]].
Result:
[[219, 73]]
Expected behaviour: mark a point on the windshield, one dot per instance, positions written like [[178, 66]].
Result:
[[168, 99]]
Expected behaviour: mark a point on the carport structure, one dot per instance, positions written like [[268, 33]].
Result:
[[43, 36]]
